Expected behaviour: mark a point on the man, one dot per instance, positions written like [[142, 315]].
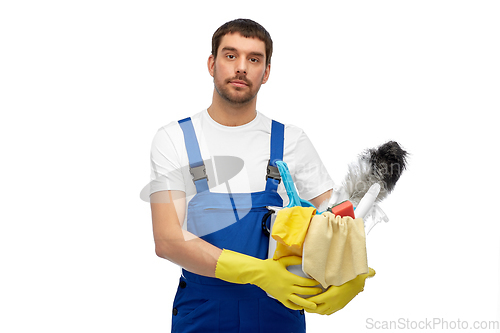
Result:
[[219, 242]]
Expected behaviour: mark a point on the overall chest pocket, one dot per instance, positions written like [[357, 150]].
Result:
[[230, 221], [211, 212]]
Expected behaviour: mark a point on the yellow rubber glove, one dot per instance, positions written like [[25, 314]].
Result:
[[335, 298], [269, 275]]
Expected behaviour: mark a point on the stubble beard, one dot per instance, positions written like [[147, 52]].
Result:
[[224, 91]]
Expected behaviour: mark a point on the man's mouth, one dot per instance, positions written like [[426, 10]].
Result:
[[238, 83]]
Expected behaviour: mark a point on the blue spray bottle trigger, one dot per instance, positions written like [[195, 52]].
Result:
[[291, 191]]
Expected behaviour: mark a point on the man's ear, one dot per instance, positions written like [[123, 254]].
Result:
[[266, 74], [211, 64]]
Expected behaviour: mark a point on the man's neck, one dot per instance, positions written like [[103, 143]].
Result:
[[228, 114]]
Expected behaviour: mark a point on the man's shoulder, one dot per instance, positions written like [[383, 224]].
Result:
[[174, 124], [290, 129]]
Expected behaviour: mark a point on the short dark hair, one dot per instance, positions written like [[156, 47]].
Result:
[[247, 28]]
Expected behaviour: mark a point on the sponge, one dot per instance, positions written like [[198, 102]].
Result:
[[343, 209]]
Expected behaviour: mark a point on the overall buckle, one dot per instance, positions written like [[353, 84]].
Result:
[[198, 172], [273, 172]]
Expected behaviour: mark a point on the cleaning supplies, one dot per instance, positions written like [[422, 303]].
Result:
[[290, 230], [366, 203], [344, 208], [334, 249]]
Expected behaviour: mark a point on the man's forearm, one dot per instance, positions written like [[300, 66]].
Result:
[[175, 244], [190, 252]]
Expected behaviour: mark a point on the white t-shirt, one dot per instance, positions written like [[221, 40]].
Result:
[[236, 158]]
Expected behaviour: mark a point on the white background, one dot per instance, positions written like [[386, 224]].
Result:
[[84, 85]]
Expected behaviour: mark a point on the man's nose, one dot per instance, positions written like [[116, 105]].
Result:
[[241, 66]]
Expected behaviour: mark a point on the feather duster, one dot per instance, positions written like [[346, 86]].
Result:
[[383, 165]]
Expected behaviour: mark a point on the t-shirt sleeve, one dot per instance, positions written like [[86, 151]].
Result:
[[310, 175], [166, 165]]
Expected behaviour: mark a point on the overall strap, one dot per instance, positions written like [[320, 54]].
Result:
[[196, 165], [273, 177]]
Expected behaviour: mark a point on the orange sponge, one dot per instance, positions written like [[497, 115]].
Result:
[[344, 208]]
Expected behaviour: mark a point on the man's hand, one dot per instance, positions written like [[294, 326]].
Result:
[[335, 298], [270, 275]]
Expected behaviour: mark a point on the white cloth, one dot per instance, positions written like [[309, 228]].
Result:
[[250, 143]]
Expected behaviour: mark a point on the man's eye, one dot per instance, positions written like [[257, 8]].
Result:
[[254, 60], [230, 56]]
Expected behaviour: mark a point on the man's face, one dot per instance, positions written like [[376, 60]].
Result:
[[240, 68]]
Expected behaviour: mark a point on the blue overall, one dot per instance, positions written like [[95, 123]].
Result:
[[231, 221]]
